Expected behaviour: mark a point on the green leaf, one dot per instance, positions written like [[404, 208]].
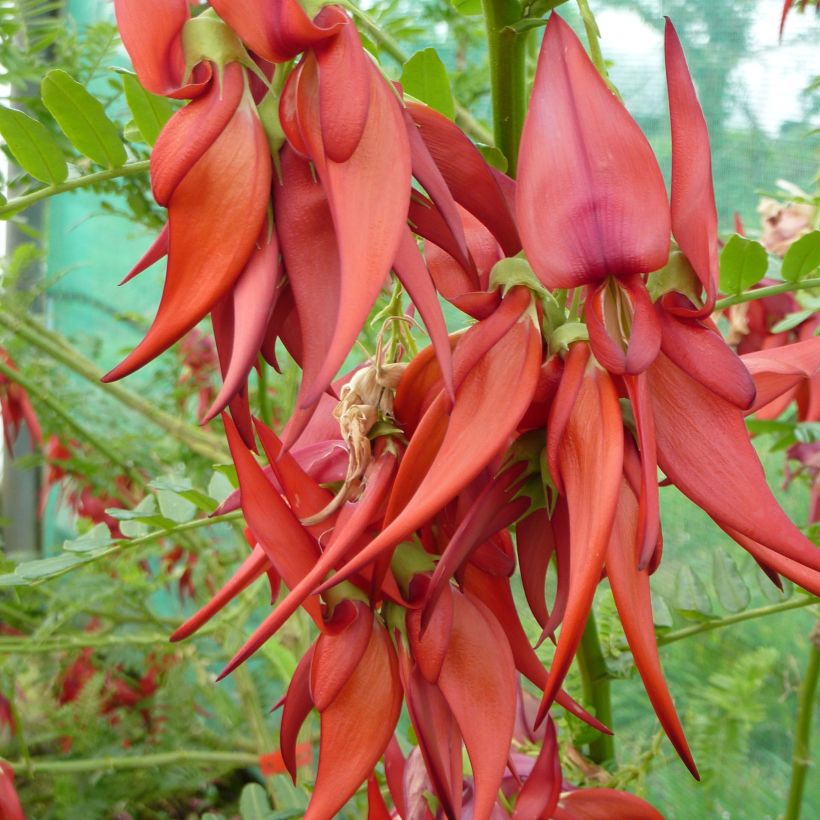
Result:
[[802, 259], [150, 111], [661, 616], [142, 519], [731, 589], [743, 263], [31, 145], [254, 803], [48, 567], [182, 488], [771, 592], [424, 76], [691, 598], [467, 7], [493, 156], [792, 320], [94, 540], [83, 119]]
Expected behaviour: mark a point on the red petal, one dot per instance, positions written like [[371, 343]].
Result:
[[535, 544], [297, 707], [630, 588], [413, 274], [590, 459], [606, 804], [344, 74], [707, 454], [694, 218], [277, 30], [356, 727], [337, 655], [702, 352], [539, 795], [250, 569], [251, 300], [776, 370], [481, 695], [215, 215], [157, 251], [429, 639], [376, 807], [151, 33], [591, 202], [468, 175]]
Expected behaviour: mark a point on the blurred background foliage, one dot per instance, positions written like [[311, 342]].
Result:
[[88, 680]]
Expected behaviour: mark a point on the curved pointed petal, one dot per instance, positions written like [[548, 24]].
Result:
[[591, 201], [539, 795], [157, 251], [297, 706], [215, 214], [630, 588], [694, 217], [778, 370], [535, 545], [707, 454], [356, 727], [606, 804], [590, 460]]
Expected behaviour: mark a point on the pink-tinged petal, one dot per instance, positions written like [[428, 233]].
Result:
[[535, 544], [356, 727], [345, 536], [772, 562], [427, 221], [414, 276], [539, 795], [496, 595], [191, 132], [215, 214], [157, 251], [694, 217], [605, 804], [630, 588], [549, 380], [439, 740], [337, 655], [277, 30], [624, 330], [591, 201], [250, 569], [290, 549], [701, 351], [469, 177], [649, 521], [707, 454], [778, 370], [251, 302], [480, 695], [368, 198], [432, 180], [394, 766], [151, 32], [10, 806], [344, 74], [297, 706], [430, 476], [590, 461], [429, 639]]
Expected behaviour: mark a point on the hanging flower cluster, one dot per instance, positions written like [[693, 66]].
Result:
[[298, 181]]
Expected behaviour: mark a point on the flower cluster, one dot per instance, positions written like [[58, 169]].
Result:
[[298, 181]]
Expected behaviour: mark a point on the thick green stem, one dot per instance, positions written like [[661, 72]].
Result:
[[86, 181], [750, 614], [508, 62], [32, 767], [595, 681], [762, 293], [801, 758], [32, 332]]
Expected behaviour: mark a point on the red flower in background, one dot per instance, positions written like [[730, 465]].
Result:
[[16, 408]]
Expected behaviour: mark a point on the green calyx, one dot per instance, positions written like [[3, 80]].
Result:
[[563, 336], [343, 591], [410, 559], [206, 38], [517, 272], [677, 276]]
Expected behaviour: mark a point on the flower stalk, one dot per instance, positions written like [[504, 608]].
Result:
[[595, 680]]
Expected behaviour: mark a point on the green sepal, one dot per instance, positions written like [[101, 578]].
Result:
[[677, 276], [562, 337], [410, 559]]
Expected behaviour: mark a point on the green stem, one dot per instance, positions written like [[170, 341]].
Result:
[[595, 681], [265, 412], [63, 643], [65, 414], [508, 77], [801, 758], [36, 766], [750, 614], [762, 293], [593, 38], [54, 346], [392, 48], [19, 203]]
